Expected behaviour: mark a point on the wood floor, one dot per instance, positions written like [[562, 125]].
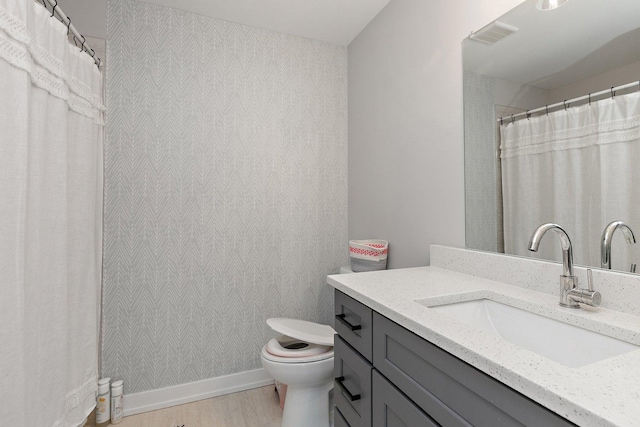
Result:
[[252, 408]]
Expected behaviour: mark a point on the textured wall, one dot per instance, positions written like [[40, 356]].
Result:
[[485, 99], [483, 198], [225, 191]]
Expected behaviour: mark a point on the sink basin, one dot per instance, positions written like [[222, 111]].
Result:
[[564, 343]]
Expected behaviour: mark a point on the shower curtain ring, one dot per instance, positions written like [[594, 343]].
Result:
[[565, 105], [589, 99], [82, 47], [513, 120], [93, 52], [69, 24], [528, 115], [547, 108], [53, 11], [74, 41], [613, 93], [99, 62], [501, 124]]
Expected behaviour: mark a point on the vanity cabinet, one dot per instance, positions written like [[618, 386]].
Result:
[[392, 409], [354, 323], [353, 356], [352, 391], [407, 381]]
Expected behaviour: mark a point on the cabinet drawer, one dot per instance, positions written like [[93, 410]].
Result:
[[451, 391], [352, 391], [392, 409], [353, 323], [338, 419]]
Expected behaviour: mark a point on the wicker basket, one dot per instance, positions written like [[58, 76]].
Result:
[[368, 255]]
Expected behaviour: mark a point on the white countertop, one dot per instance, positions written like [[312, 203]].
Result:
[[605, 393]]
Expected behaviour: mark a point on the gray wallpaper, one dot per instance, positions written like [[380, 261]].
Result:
[[482, 176], [225, 191]]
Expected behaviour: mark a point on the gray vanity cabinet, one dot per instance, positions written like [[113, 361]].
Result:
[[338, 420], [392, 409], [354, 323], [451, 391], [352, 392], [412, 382], [353, 356]]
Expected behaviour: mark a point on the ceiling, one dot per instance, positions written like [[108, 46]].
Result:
[[333, 21], [579, 40]]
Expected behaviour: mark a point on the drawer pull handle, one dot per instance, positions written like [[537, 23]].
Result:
[[341, 318], [352, 397]]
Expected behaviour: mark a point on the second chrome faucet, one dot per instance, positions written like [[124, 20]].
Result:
[[570, 294], [607, 237]]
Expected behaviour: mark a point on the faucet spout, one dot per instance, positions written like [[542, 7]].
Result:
[[567, 251], [570, 294], [607, 238]]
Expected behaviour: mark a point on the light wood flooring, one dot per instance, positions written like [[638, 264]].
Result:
[[252, 408]]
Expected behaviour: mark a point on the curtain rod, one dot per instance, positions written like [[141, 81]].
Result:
[[512, 118], [70, 28]]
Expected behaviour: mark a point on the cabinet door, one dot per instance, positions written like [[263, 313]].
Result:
[[352, 392], [451, 391], [338, 419], [354, 323], [392, 409]]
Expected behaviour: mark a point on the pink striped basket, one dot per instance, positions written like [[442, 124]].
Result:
[[368, 255]]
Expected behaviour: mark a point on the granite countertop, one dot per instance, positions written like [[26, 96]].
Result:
[[605, 393]]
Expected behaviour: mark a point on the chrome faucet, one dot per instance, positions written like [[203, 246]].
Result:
[[607, 237], [570, 293]]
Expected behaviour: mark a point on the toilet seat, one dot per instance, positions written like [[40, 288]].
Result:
[[328, 354], [300, 341], [285, 346]]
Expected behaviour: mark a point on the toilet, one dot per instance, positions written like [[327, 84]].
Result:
[[302, 357]]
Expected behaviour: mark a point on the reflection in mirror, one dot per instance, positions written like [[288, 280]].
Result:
[[568, 148]]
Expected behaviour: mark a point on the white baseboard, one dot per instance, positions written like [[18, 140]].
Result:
[[184, 393]]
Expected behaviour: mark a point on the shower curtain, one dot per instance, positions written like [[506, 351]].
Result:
[[51, 133], [580, 168]]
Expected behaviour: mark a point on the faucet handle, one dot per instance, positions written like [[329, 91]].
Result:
[[586, 296]]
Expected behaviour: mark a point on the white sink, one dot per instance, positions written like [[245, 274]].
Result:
[[564, 343]]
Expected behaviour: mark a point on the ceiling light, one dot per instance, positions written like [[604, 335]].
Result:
[[550, 4]]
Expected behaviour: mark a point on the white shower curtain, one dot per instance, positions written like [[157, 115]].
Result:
[[580, 168], [51, 134]]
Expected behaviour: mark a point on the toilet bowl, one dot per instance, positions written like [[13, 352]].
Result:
[[302, 357]]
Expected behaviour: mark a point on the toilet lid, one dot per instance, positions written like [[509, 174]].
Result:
[[302, 330]]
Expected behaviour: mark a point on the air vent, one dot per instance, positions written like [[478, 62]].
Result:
[[493, 32]]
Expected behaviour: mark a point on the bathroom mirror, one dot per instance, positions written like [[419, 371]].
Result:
[[544, 58]]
